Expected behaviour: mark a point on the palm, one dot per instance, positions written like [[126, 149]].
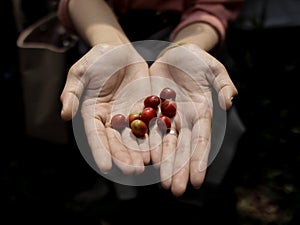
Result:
[[106, 86], [192, 73]]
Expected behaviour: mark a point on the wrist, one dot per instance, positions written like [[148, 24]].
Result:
[[201, 34], [105, 35], [171, 46]]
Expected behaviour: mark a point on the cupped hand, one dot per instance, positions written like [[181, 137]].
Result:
[[108, 80], [193, 73]]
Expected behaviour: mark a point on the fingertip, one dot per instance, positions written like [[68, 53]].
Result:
[[66, 111], [65, 116], [228, 104], [69, 107], [104, 166], [230, 100], [166, 184], [105, 170], [178, 191], [226, 98], [197, 179], [139, 169], [146, 158]]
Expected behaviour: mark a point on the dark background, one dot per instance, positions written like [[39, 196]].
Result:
[[45, 183]]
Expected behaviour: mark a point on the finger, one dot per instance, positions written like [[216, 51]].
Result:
[[139, 157], [140, 146], [137, 161], [76, 82], [72, 91], [181, 165], [131, 143], [201, 136], [97, 140], [155, 145], [120, 154], [223, 85], [144, 149], [168, 158]]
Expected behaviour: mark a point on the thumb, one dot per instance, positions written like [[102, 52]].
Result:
[[223, 85], [71, 95], [70, 104]]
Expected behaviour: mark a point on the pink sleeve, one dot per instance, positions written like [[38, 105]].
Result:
[[63, 15], [216, 13]]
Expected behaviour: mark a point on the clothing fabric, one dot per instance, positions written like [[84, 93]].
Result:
[[217, 13]]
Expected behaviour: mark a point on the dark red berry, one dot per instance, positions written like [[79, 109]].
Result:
[[152, 101], [118, 122], [164, 123], [167, 93], [168, 108], [148, 114], [139, 128], [133, 116]]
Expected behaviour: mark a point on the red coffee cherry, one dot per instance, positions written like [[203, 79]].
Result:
[[168, 108], [139, 128], [164, 123], [133, 116], [167, 93], [118, 121], [148, 114], [152, 101]]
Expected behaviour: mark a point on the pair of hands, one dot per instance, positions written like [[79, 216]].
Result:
[[115, 79]]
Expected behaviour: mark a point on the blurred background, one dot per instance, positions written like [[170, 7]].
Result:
[[45, 182]]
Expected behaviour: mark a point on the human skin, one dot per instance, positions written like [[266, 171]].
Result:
[[97, 25], [185, 158]]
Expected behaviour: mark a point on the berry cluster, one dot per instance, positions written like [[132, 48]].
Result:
[[139, 122]]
